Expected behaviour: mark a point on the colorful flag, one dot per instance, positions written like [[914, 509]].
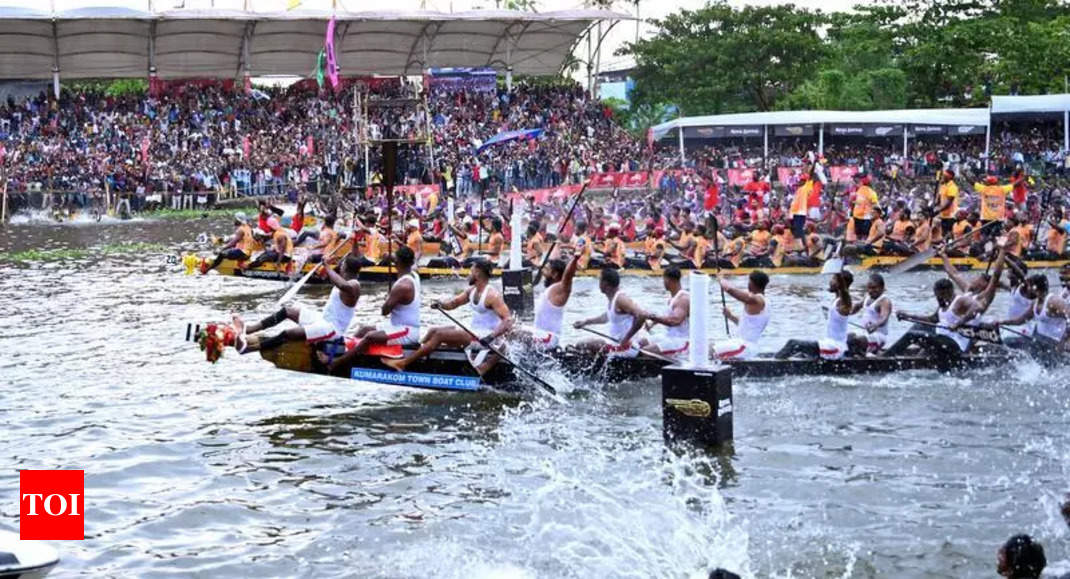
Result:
[[320, 60], [332, 63]]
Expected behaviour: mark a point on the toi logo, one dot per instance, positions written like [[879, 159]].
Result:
[[51, 505]]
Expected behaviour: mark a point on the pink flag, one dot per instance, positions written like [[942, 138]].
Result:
[[245, 146], [332, 63]]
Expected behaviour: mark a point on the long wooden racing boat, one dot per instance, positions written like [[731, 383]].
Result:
[[450, 369], [384, 274]]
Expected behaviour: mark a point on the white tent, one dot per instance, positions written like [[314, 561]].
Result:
[[116, 42], [1046, 103], [962, 121]]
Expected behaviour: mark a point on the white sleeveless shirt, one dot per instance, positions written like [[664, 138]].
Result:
[[337, 313], [948, 319], [484, 319], [836, 329], [407, 314], [548, 317], [871, 314], [1019, 306], [751, 326], [619, 324], [682, 331], [1049, 326]]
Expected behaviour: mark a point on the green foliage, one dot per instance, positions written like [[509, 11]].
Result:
[[637, 118], [883, 54], [113, 88]]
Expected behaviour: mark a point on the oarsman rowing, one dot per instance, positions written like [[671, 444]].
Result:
[[312, 326], [490, 320], [536, 245], [876, 308], [751, 322], [1049, 311], [550, 307], [239, 247], [282, 247], [834, 345], [953, 311], [326, 243], [402, 306], [674, 341], [624, 316], [613, 248]]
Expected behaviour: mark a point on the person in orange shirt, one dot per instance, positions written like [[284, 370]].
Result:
[[282, 247], [702, 247], [948, 199], [993, 204], [654, 247], [800, 205], [1022, 236], [1058, 227], [865, 202], [614, 248], [923, 238], [757, 252], [874, 244], [584, 246], [899, 242], [536, 244], [782, 242], [413, 239]]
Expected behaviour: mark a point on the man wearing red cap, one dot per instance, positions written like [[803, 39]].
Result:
[[282, 247], [993, 203]]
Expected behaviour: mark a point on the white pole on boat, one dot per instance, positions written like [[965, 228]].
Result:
[[700, 335], [514, 241], [821, 139], [683, 159]]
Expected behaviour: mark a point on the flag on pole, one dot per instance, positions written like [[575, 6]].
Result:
[[320, 62], [332, 63]]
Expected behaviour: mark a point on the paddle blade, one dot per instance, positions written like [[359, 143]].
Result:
[[834, 265], [916, 260], [384, 350]]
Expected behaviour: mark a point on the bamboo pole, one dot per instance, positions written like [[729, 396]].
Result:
[[3, 203]]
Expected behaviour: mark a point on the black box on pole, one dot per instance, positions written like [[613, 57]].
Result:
[[518, 292], [696, 404]]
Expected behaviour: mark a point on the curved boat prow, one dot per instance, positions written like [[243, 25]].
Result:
[[25, 559]]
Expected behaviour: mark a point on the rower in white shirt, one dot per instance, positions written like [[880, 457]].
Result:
[[751, 322], [876, 308], [550, 306], [675, 340]]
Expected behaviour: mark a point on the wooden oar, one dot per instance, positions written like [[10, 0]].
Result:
[[920, 258], [654, 355], [717, 257], [969, 332], [568, 216], [289, 295], [545, 385]]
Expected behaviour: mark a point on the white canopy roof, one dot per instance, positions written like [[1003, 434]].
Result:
[[1045, 103], [116, 42], [976, 117]]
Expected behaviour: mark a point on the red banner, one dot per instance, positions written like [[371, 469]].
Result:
[[836, 173], [740, 177], [604, 180]]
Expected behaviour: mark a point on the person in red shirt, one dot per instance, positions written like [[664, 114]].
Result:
[[756, 190], [1020, 191], [627, 228]]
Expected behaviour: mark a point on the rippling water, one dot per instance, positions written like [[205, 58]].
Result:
[[237, 469]]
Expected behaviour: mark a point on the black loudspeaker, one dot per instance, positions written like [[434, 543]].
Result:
[[696, 405], [518, 292]]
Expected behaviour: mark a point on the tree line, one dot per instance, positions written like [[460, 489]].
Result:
[[885, 54]]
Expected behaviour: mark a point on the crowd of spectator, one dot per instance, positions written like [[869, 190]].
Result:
[[207, 136]]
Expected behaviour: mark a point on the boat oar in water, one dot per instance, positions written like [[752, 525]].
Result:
[[920, 258], [654, 355], [717, 257], [543, 383], [292, 292], [979, 333]]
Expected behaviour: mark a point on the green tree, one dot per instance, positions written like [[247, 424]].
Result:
[[721, 59]]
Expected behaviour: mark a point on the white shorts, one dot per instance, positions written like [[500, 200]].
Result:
[[814, 213], [541, 338], [614, 350], [670, 346], [400, 335], [316, 328], [734, 349], [831, 349], [875, 342]]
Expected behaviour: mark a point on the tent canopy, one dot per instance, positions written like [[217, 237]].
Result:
[[950, 117], [117, 42], [1046, 103]]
